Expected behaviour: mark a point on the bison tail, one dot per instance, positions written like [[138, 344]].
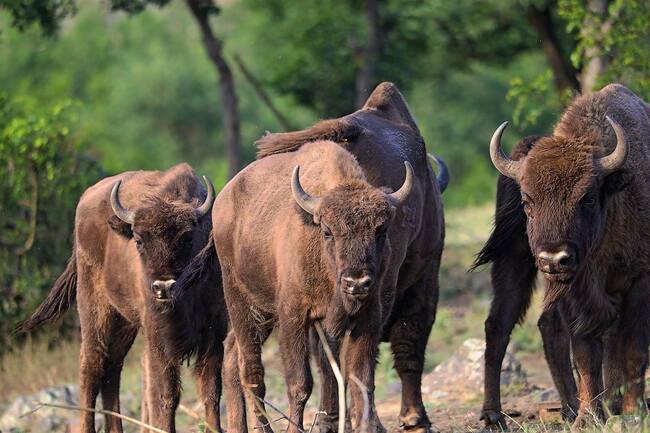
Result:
[[192, 299], [58, 301], [509, 224], [204, 262]]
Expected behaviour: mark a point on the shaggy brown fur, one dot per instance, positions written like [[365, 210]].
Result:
[[288, 274], [111, 271], [602, 220]]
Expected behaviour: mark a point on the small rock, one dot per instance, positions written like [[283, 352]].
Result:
[[623, 423], [22, 416], [548, 394], [464, 370]]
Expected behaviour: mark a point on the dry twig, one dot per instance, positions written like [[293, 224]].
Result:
[[192, 413], [99, 411], [337, 374]]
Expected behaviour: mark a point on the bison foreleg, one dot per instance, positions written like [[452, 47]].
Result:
[[408, 337], [557, 349], [588, 357], [164, 386], [634, 330], [293, 336], [360, 359], [207, 372], [512, 282], [233, 391]]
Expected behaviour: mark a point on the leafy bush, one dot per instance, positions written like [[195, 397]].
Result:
[[43, 176]]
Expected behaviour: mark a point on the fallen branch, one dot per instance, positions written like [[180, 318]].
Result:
[[366, 403], [99, 411], [337, 374]]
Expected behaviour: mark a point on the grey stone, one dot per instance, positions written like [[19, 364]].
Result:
[[22, 416], [464, 370]]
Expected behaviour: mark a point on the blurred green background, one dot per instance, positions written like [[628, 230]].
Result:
[[92, 88]]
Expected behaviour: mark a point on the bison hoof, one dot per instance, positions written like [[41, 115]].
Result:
[[585, 421], [418, 429], [568, 414], [494, 420], [415, 422]]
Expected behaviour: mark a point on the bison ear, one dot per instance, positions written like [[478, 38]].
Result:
[[617, 182], [119, 226], [388, 99]]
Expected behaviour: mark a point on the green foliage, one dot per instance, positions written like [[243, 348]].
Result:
[[313, 52], [533, 98], [47, 13], [44, 174], [623, 35]]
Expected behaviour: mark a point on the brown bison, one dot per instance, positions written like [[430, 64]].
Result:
[[576, 206], [312, 232], [134, 234]]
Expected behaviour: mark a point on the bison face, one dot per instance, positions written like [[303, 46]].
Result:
[[354, 219], [564, 219], [564, 188], [166, 236]]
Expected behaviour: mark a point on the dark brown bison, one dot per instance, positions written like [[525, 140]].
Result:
[[134, 234], [576, 206], [331, 243]]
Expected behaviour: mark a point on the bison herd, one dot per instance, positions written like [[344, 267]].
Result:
[[340, 226]]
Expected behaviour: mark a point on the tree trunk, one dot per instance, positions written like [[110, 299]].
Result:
[[595, 24], [564, 74], [367, 76], [229, 104]]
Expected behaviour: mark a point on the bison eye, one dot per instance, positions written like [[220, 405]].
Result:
[[589, 201], [138, 241], [327, 234], [527, 209]]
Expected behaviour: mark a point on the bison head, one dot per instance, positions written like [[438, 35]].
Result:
[[164, 233], [563, 190], [354, 219]]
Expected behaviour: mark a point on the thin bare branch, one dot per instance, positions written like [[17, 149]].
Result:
[[261, 93], [337, 374], [101, 412], [282, 414], [313, 423]]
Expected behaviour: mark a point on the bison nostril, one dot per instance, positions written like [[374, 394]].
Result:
[[356, 285], [556, 261], [161, 288], [566, 260]]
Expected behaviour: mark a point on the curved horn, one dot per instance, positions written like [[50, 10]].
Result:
[[304, 200], [398, 197], [443, 175], [122, 213], [615, 160], [503, 163], [205, 208]]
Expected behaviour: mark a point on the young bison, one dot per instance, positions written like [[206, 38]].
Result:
[[134, 234], [583, 222]]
